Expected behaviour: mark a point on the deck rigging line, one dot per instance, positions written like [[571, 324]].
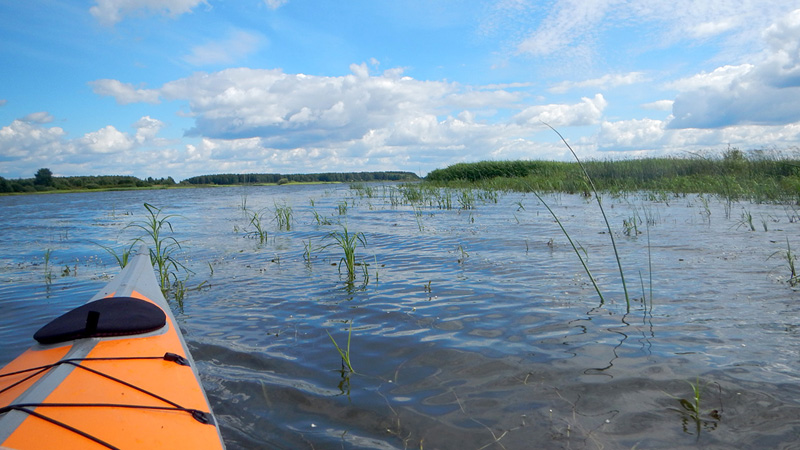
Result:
[[201, 416]]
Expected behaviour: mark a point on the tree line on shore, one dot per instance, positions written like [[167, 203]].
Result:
[[44, 181], [755, 174], [275, 178]]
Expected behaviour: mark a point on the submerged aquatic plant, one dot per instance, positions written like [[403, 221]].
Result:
[[691, 409]]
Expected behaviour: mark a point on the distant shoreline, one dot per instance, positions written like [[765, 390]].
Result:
[[175, 186], [45, 183]]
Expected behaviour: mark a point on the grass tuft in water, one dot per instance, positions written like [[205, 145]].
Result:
[[121, 258], [48, 273], [364, 190], [466, 199], [260, 233], [162, 248], [344, 353], [317, 216], [348, 242], [746, 221], [462, 254], [307, 252], [283, 216], [418, 217], [791, 260]]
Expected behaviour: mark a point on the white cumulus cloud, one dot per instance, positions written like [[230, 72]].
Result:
[[763, 93], [718, 78], [106, 140], [631, 134], [147, 129], [297, 110], [27, 145], [22, 139], [588, 112], [259, 118]]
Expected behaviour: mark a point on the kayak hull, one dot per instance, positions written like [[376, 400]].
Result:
[[110, 391]]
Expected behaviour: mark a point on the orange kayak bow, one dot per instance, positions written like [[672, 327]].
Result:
[[114, 373]]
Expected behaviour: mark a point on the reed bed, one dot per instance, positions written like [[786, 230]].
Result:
[[760, 176]]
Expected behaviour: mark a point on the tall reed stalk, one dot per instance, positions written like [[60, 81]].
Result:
[[574, 248], [602, 211]]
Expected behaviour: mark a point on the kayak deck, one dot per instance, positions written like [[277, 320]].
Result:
[[128, 392]]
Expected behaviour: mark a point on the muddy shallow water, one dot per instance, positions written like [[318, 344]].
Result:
[[470, 327]]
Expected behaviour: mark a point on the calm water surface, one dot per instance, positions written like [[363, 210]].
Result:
[[471, 328]]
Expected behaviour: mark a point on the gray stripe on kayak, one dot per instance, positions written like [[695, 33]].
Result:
[[122, 285], [138, 276], [43, 387]]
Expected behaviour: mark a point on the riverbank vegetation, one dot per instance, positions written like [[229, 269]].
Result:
[[44, 181], [276, 178], [754, 175]]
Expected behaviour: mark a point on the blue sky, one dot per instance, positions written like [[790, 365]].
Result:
[[189, 87]]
